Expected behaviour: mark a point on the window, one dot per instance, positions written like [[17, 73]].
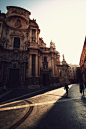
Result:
[[33, 32], [16, 42], [45, 58], [33, 35]]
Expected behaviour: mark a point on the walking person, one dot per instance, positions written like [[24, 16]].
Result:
[[4, 88], [66, 87], [81, 88]]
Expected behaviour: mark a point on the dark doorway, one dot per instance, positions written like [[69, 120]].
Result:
[[16, 42], [46, 79], [14, 78]]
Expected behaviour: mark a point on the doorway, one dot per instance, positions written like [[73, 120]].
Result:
[[46, 79], [14, 78]]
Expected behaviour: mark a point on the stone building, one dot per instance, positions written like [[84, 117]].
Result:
[[72, 70], [25, 61], [63, 72]]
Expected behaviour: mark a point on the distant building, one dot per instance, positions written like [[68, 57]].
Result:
[[63, 72], [72, 71], [25, 61]]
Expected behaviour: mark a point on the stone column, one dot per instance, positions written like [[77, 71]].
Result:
[[30, 65], [36, 35], [38, 39], [36, 66], [30, 35], [52, 64], [39, 64]]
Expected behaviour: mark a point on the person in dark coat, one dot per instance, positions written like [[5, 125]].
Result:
[[82, 88], [66, 87]]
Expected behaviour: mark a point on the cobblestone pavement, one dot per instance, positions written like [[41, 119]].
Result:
[[51, 110]]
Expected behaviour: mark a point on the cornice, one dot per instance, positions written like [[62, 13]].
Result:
[[8, 7]]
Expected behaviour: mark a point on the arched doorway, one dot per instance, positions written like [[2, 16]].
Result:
[[46, 79], [14, 78]]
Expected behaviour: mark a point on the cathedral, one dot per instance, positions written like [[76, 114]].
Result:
[[25, 61]]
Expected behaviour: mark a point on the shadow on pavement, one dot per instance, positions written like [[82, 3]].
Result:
[[60, 116], [66, 113]]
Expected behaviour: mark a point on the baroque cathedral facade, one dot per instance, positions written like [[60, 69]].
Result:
[[25, 61]]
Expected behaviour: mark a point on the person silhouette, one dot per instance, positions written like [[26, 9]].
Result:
[[81, 88], [66, 87]]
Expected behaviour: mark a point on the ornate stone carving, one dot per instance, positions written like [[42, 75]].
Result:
[[27, 34], [6, 30], [5, 40], [17, 34], [52, 44], [19, 11], [17, 24], [27, 43], [15, 56]]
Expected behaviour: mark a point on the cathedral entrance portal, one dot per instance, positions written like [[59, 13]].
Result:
[[14, 78], [46, 79]]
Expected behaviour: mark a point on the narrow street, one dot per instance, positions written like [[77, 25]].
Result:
[[51, 110]]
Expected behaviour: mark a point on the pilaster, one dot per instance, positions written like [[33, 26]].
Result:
[[36, 35], [36, 66], [52, 64], [30, 35], [30, 65]]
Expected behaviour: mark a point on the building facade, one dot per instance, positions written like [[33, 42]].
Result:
[[25, 61], [72, 70], [83, 63]]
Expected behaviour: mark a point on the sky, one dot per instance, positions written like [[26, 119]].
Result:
[[62, 21]]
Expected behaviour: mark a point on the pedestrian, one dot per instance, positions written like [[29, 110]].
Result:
[[81, 88], [85, 84], [4, 88], [66, 87]]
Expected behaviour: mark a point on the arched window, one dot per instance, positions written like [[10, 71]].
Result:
[[16, 42]]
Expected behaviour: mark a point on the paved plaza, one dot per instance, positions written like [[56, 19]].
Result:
[[48, 110]]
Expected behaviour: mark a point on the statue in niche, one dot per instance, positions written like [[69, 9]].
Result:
[[15, 57], [18, 24]]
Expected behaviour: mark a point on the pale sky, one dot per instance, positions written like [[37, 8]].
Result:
[[62, 21]]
